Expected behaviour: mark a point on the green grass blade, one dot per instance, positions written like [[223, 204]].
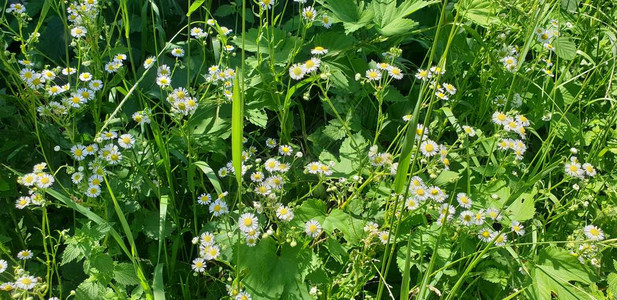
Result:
[[204, 167], [237, 123]]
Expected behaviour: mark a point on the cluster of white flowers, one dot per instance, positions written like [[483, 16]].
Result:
[[574, 168], [80, 13], [219, 75], [379, 159], [182, 103], [426, 75], [208, 250], [319, 168], [35, 181], [299, 70]]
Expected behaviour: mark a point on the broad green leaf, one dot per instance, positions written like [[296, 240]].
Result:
[[351, 227], [351, 12], [556, 272], [89, 290], [390, 18], [257, 117], [103, 263], [523, 209], [570, 6], [194, 6], [71, 252], [565, 48], [612, 283], [124, 274], [281, 42], [270, 275], [480, 12]]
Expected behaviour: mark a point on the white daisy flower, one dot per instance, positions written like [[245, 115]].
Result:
[[411, 203], [85, 76], [204, 199], [206, 239], [211, 252], [177, 52], [77, 177], [494, 214], [500, 118], [126, 141], [218, 207], [22, 202], [284, 213], [318, 50], [463, 200], [163, 81], [589, 169], [26, 282], [373, 74], [271, 165], [44, 181], [96, 85], [517, 228], [593, 233], [485, 235], [309, 13], [478, 218], [325, 20], [312, 228], [429, 148], [500, 238], [199, 265], [247, 222], [78, 152], [574, 169], [312, 64], [383, 236], [313, 167], [93, 191], [467, 218], [371, 227], [285, 150], [395, 72], [24, 254], [470, 131], [3, 265], [78, 32], [297, 71]]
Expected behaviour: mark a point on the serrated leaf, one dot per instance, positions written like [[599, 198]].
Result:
[[124, 273], [71, 253], [334, 130], [89, 290], [612, 283], [257, 117], [103, 263], [273, 276], [480, 12], [565, 48], [390, 18], [554, 273], [495, 276]]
